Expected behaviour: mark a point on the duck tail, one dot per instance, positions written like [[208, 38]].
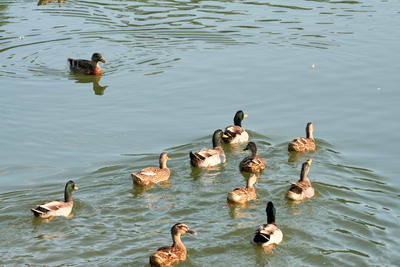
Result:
[[232, 196], [155, 260], [136, 178], [37, 213], [196, 156]]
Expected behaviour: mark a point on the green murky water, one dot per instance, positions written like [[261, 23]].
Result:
[[178, 70]]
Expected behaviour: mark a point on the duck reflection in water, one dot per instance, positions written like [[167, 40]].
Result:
[[95, 79], [45, 2]]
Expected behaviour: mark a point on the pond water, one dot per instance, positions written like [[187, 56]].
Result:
[[177, 71]]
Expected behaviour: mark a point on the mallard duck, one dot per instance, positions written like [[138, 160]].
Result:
[[302, 144], [244, 194], [170, 255], [253, 163], [57, 207], [303, 188], [235, 133], [89, 67], [151, 175], [208, 157], [267, 235]]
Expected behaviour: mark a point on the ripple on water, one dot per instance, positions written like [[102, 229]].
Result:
[[147, 28], [352, 218]]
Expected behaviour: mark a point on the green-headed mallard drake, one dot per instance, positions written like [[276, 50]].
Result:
[[57, 207], [303, 188], [244, 194], [88, 67], [170, 255], [235, 133], [152, 175], [253, 163], [267, 235], [208, 157], [302, 144]]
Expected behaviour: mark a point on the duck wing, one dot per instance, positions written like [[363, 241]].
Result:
[[81, 66]]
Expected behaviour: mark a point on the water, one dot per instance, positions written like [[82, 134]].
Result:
[[178, 70]]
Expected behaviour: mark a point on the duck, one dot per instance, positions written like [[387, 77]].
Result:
[[170, 255], [208, 157], [302, 144], [303, 188], [253, 163], [268, 235], [152, 175], [236, 133], [57, 207], [88, 67], [244, 194]]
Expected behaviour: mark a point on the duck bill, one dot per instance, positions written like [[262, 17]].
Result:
[[225, 136], [245, 115], [76, 188], [192, 232], [168, 158], [105, 62]]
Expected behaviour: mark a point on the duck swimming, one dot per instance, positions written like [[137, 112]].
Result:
[[244, 194], [302, 144], [57, 207], [303, 188], [208, 157], [88, 67], [236, 133], [267, 235], [170, 255], [253, 163], [151, 175]]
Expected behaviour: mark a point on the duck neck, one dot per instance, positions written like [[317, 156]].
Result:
[[163, 164], [303, 174], [237, 121], [271, 215], [216, 141], [254, 151], [176, 238], [309, 133], [250, 182], [68, 194]]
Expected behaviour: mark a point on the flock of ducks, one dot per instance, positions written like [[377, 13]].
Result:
[[266, 235]]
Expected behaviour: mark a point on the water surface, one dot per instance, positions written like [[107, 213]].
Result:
[[178, 70]]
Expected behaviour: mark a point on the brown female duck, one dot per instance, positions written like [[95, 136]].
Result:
[[302, 144], [88, 67], [303, 188], [244, 194], [151, 175], [170, 255], [236, 133], [253, 163]]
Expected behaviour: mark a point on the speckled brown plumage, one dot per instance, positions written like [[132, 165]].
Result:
[[244, 194], [302, 144], [253, 163], [302, 189], [170, 255], [152, 175]]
